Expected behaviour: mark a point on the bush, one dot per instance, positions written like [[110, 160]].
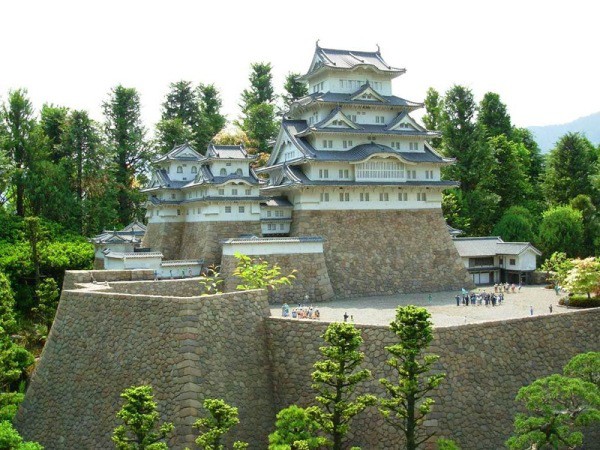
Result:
[[580, 301]]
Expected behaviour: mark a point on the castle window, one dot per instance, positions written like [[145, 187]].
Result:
[[327, 143], [323, 173], [344, 173], [429, 174], [364, 196], [324, 196], [512, 262], [179, 169], [411, 174], [241, 209], [281, 226], [178, 212], [194, 169], [347, 144], [278, 213], [234, 192], [402, 196], [421, 197], [268, 213], [223, 172], [384, 197], [248, 191], [379, 170], [379, 119], [172, 196], [228, 209], [413, 145], [344, 197], [221, 191], [228, 164], [239, 172]]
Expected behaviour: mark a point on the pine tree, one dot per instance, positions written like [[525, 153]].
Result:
[[294, 89], [181, 103], [493, 116], [433, 117], [210, 121]]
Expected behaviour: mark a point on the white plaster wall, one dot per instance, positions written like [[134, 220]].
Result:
[[114, 247], [234, 165], [524, 261], [272, 248], [186, 167], [132, 263]]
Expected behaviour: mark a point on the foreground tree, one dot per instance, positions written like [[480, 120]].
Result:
[[557, 408], [48, 295], [557, 267], [407, 404], [336, 378], [585, 366], [584, 277], [141, 430], [259, 274], [10, 439], [222, 417], [296, 429]]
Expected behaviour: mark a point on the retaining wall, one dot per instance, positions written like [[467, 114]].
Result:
[[385, 252], [486, 364], [186, 348]]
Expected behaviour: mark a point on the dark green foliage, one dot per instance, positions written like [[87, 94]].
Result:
[[125, 136], [536, 161], [493, 116], [14, 361], [585, 366], [10, 439], [561, 230], [571, 165], [141, 429], [222, 417], [515, 225], [8, 323], [181, 103], [432, 119], [9, 404], [48, 294], [294, 89], [591, 223], [296, 428], [406, 404], [336, 378], [557, 407], [52, 121], [261, 86], [170, 133], [580, 301]]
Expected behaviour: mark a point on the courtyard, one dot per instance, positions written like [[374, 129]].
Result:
[[380, 310]]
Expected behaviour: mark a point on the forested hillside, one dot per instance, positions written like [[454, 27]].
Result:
[[547, 136]]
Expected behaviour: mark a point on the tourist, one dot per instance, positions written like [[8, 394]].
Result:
[[345, 317], [317, 314], [550, 308], [190, 272], [155, 275], [531, 310], [457, 300], [285, 310], [556, 288], [520, 286]]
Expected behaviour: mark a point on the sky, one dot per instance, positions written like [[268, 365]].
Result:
[[540, 56]]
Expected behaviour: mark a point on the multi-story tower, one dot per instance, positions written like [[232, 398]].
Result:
[[360, 171]]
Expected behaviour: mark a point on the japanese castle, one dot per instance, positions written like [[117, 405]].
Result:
[[348, 158]]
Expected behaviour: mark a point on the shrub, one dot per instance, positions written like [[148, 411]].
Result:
[[580, 301]]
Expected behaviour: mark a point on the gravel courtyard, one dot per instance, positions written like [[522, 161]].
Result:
[[381, 310]]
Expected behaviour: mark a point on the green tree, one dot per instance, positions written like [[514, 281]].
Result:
[[259, 274], [141, 430], [493, 116], [294, 89], [432, 119], [535, 160], [591, 222], [8, 324], [170, 133], [561, 230], [211, 121], [10, 439], [585, 366], [14, 361], [558, 267], [584, 277], [52, 121], [557, 407], [406, 405], [222, 417], [258, 110], [336, 378], [515, 226], [570, 169], [295, 429], [48, 295], [181, 103], [18, 120], [125, 136]]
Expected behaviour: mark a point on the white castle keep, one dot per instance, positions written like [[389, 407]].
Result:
[[349, 164]]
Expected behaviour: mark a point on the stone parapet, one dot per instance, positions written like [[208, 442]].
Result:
[[486, 364], [385, 252], [73, 278]]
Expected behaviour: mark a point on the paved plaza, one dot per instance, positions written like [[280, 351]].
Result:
[[442, 306]]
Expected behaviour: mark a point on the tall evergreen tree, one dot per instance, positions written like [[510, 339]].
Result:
[[433, 117], [294, 89], [19, 123], [493, 117], [535, 166], [170, 133], [571, 166], [210, 119], [181, 103], [125, 136], [52, 121], [258, 110]]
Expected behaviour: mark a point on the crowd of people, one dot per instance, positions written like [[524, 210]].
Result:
[[484, 298], [300, 312]]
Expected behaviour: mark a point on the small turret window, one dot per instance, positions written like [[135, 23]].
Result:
[[194, 169], [239, 172], [223, 172], [179, 169]]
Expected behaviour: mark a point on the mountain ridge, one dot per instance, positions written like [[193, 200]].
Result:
[[546, 136]]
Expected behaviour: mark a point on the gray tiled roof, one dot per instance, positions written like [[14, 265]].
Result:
[[336, 97], [363, 151], [259, 240], [370, 129], [175, 154], [349, 59], [277, 202], [490, 246], [114, 237], [227, 152]]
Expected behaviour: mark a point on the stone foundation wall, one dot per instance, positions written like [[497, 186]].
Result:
[[486, 364], [385, 252], [187, 287], [165, 238], [312, 277], [188, 349], [201, 240]]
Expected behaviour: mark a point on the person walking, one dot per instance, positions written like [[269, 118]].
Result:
[[531, 310], [345, 317], [550, 308], [457, 300]]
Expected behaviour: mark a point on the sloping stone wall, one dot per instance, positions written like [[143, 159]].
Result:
[[165, 238], [201, 240], [186, 287], [75, 277], [312, 278], [486, 364], [188, 349], [385, 252]]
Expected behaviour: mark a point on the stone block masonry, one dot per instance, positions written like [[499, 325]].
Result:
[[188, 349], [486, 364], [385, 252], [165, 237]]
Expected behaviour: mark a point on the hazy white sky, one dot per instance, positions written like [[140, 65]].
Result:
[[542, 57]]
